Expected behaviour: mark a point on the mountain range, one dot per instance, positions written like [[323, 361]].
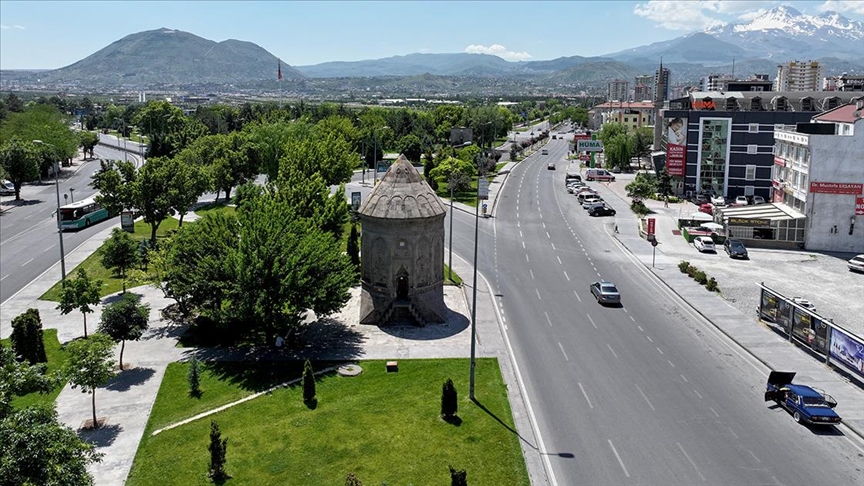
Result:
[[167, 57]]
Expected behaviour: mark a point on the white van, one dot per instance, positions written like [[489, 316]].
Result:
[[601, 175], [7, 188]]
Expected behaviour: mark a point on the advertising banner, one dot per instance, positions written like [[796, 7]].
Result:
[[676, 146], [355, 200], [801, 322], [819, 336], [846, 349], [836, 188]]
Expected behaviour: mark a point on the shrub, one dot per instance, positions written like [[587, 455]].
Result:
[[308, 383], [458, 477], [27, 337], [218, 447], [684, 266], [711, 285], [639, 208], [449, 400], [351, 480], [701, 277]]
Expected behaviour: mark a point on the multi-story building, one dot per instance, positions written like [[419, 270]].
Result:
[[646, 93], [723, 143], [850, 82], [618, 90], [799, 76], [633, 114], [662, 78], [818, 171], [716, 82]]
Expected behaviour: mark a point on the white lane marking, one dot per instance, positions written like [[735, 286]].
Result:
[[732, 432], [567, 276], [631, 318], [526, 258], [46, 249], [649, 338], [562, 352], [754, 455], [685, 379], [612, 350], [670, 363], [547, 318], [577, 296], [646, 398], [28, 261], [523, 244], [532, 273], [547, 235], [585, 395], [520, 233], [4, 276], [681, 448], [618, 457], [592, 320], [640, 328], [559, 261], [625, 310], [697, 393], [660, 351], [715, 413], [544, 224], [538, 293], [553, 247], [598, 273]]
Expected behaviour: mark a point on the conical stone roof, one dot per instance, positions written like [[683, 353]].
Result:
[[402, 194]]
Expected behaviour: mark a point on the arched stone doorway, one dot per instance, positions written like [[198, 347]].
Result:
[[402, 287]]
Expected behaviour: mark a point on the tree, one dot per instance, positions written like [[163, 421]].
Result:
[[46, 123], [20, 160], [642, 141], [90, 365], [447, 167], [79, 294], [449, 400], [618, 151], [88, 141], [664, 183], [458, 477], [194, 378], [308, 383], [27, 337], [152, 191], [115, 180], [35, 448], [643, 186], [411, 147], [120, 253], [353, 247], [125, 319], [158, 121], [188, 182], [218, 449]]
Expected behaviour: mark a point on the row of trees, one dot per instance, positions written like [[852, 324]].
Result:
[[621, 145]]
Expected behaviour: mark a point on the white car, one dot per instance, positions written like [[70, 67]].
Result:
[[704, 244], [758, 200], [804, 303], [856, 264], [741, 201], [589, 201], [718, 201], [7, 188]]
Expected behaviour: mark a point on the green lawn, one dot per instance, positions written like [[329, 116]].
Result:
[[219, 207], [451, 280], [384, 427], [56, 357], [93, 263]]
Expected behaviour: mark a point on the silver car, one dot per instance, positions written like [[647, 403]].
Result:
[[856, 263], [605, 292]]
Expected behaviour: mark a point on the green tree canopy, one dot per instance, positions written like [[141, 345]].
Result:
[[20, 161], [90, 365], [80, 293], [115, 182], [442, 171], [120, 253], [125, 319]]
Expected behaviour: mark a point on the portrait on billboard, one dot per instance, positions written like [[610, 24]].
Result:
[[676, 132], [676, 146]]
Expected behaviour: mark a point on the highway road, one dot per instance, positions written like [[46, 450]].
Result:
[[29, 244], [646, 393]]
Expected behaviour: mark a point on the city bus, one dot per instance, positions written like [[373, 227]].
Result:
[[81, 214]]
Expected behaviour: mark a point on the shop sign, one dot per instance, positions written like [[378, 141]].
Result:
[[779, 161], [836, 188], [749, 222]]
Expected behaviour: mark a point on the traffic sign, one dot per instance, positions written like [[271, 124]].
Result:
[[589, 145], [483, 188], [651, 226]]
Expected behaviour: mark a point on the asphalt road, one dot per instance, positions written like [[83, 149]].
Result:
[[642, 394], [29, 244]]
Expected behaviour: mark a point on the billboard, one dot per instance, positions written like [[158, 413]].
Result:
[[836, 188], [676, 146], [589, 145], [849, 351]]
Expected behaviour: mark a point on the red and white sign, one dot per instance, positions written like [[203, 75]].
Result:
[[779, 161], [676, 157], [859, 206], [651, 226], [836, 188], [582, 137]]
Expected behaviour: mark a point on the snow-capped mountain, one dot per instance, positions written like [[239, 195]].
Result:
[[783, 33]]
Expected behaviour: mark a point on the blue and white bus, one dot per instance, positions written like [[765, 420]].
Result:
[[81, 214]]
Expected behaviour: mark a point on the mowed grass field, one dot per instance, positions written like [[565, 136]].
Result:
[[383, 427]]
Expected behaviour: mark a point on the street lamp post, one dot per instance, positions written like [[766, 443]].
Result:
[[474, 290], [57, 189], [72, 194], [450, 264]]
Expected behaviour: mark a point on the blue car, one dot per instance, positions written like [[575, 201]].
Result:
[[806, 404]]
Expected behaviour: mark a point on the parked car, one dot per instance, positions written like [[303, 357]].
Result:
[[602, 210], [758, 200], [741, 201], [571, 176], [707, 208], [605, 292], [601, 175], [700, 199], [856, 263], [588, 201], [704, 244], [554, 137], [804, 303], [550, 166], [583, 193], [718, 201], [735, 248], [805, 403], [7, 188]]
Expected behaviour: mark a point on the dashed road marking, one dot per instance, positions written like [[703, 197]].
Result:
[[612, 350], [619, 458], [646, 398], [592, 320], [585, 395], [681, 448], [562, 352]]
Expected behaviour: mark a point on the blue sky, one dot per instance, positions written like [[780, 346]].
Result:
[[50, 35]]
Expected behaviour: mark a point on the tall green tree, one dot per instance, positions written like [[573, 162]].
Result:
[[353, 246], [188, 183], [80, 293], [87, 141], [120, 253], [45, 123], [115, 182], [411, 147], [619, 150], [125, 320], [160, 121], [152, 192], [218, 449], [20, 161], [90, 365], [27, 337], [308, 383]]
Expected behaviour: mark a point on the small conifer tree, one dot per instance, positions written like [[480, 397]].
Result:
[[194, 378], [218, 447], [449, 400], [308, 383], [458, 477]]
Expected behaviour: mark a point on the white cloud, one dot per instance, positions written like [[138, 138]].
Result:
[[748, 16], [680, 15], [498, 50], [6, 27], [850, 6]]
